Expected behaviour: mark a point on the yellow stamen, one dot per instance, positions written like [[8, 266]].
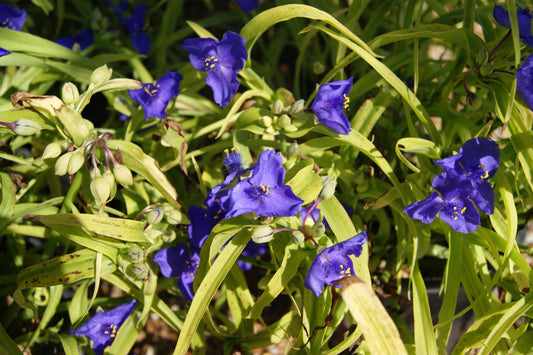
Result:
[[265, 189], [486, 175], [463, 210], [346, 101]]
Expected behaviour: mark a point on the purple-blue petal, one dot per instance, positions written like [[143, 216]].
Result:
[[199, 49], [11, 17], [173, 260], [483, 197], [461, 215], [223, 81], [136, 24], [425, 210], [248, 5], [333, 263], [452, 186], [329, 105], [524, 18], [524, 81], [202, 223], [268, 170], [102, 327], [232, 51], [4, 52], [252, 250]]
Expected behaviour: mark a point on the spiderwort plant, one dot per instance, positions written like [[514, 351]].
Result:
[[154, 97], [334, 263], [102, 328], [137, 27], [330, 102], [221, 60]]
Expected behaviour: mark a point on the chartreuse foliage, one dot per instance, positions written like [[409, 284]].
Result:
[[326, 177]]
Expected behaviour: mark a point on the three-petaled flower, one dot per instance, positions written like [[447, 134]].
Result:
[[222, 60], [463, 184], [334, 263], [154, 97], [524, 17], [330, 102], [103, 326], [264, 192], [524, 81], [137, 27]]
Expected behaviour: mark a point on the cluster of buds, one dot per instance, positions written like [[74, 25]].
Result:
[[155, 214], [133, 264], [282, 116]]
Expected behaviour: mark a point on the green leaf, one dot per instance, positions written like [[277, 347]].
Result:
[[379, 330], [63, 270], [8, 200], [292, 258], [70, 344], [418, 146], [7, 345], [119, 228], [208, 287], [144, 165], [305, 183]]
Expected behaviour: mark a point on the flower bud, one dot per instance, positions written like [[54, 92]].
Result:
[[155, 216], [474, 100], [298, 237], [262, 234], [62, 164], [318, 68], [138, 271], [328, 189], [52, 150], [277, 107], [133, 253], [75, 162], [266, 121], [26, 127], [70, 93], [293, 149], [122, 175], [486, 69], [284, 121], [100, 189], [297, 107], [173, 216], [318, 230], [101, 75]]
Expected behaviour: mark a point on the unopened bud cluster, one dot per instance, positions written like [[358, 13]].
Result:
[[282, 116], [131, 260], [167, 211]]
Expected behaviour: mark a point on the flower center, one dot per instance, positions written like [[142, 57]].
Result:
[[111, 330], [346, 101], [191, 265], [210, 62], [344, 273], [463, 210], [8, 24], [265, 189], [151, 89]]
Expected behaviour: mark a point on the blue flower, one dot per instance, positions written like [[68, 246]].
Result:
[[222, 60], [264, 192], [84, 38], [103, 326], [232, 161], [136, 25], [182, 260], [330, 102], [334, 263], [478, 160], [11, 18], [524, 22], [524, 81], [451, 200], [154, 97], [248, 5]]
